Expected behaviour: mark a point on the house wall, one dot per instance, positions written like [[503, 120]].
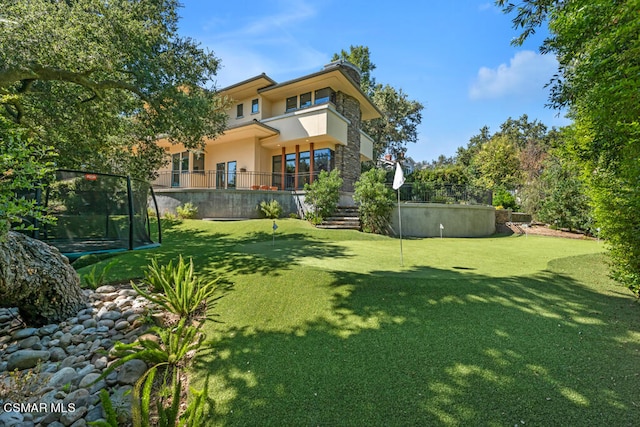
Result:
[[424, 219]]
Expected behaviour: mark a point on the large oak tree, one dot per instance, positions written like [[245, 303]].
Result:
[[93, 82]]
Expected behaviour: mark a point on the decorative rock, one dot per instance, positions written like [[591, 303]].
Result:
[[25, 359], [48, 329], [90, 323], [122, 324], [76, 329], [89, 382], [100, 362], [94, 414], [79, 397], [57, 354], [106, 322], [131, 371], [62, 377], [105, 289], [69, 418], [29, 342], [111, 315], [65, 340], [10, 419], [24, 333], [80, 423]]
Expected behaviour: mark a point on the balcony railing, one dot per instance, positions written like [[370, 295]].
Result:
[[240, 180]]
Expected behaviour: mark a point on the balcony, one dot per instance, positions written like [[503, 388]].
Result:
[[241, 180]]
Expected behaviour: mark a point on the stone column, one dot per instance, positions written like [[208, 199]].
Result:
[[348, 156]]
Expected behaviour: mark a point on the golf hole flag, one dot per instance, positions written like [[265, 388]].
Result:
[[398, 179]]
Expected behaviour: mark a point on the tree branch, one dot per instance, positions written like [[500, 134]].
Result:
[[11, 76]]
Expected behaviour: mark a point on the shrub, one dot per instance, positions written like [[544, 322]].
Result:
[[324, 193], [176, 288], [505, 199], [93, 279], [271, 209], [375, 201], [187, 211]]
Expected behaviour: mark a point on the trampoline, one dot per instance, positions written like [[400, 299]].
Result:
[[98, 213]]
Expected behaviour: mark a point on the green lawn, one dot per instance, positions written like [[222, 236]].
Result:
[[326, 328]]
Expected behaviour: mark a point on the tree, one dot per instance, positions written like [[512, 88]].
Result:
[[498, 164], [400, 115], [99, 81], [596, 43]]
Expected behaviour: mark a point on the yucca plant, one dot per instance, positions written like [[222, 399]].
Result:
[[176, 288]]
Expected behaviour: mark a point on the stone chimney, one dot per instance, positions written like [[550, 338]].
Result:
[[352, 71]]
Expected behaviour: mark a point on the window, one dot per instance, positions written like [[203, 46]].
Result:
[[255, 106], [325, 95], [305, 100], [239, 110], [292, 103], [198, 162], [323, 160]]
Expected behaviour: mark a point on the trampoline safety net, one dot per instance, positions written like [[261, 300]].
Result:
[[98, 213]]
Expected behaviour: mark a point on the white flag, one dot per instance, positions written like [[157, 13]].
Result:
[[398, 179]]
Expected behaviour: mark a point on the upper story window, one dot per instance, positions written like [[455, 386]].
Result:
[[239, 110], [325, 95], [305, 100], [255, 106], [292, 103]]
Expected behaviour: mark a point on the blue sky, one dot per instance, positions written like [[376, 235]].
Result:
[[454, 57]]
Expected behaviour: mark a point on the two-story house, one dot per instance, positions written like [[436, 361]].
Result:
[[281, 135]]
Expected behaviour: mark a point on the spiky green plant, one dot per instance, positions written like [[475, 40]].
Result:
[[176, 288]]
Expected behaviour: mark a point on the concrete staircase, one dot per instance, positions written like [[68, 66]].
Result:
[[344, 218]]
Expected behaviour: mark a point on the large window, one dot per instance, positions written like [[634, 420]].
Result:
[[325, 95], [198, 162], [305, 100], [323, 160], [292, 103]]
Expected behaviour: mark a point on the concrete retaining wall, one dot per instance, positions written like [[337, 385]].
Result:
[[227, 204], [424, 219]]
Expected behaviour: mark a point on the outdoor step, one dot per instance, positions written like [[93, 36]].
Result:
[[339, 226]]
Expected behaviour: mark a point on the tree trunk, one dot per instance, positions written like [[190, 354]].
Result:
[[39, 280]]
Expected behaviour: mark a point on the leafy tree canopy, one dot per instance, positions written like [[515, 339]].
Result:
[[596, 43], [98, 79]]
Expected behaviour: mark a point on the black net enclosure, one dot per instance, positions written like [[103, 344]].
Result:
[[97, 213]]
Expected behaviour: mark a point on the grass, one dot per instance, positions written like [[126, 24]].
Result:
[[326, 328]]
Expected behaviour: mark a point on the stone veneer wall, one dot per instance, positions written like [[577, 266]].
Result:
[[348, 156]]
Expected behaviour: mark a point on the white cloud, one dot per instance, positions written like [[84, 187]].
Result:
[[525, 76]]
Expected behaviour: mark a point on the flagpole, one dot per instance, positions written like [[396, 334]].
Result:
[[400, 223], [398, 180]]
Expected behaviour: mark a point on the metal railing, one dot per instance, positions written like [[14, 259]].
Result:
[[240, 180], [420, 192]]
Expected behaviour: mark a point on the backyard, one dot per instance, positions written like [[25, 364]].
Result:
[[325, 327]]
